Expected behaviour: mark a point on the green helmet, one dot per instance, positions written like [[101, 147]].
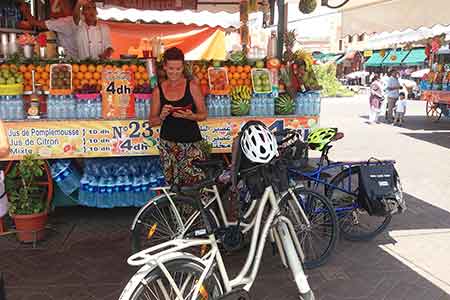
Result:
[[320, 137]]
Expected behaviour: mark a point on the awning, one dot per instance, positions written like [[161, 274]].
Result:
[[371, 16], [394, 58], [415, 57], [375, 60]]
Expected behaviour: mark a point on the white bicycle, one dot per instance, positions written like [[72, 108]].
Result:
[[169, 272]]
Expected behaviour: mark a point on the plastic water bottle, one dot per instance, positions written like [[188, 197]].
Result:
[[298, 105], [83, 195], [126, 194], [271, 106], [98, 107], [9, 108], [108, 197], [101, 193], [136, 191]]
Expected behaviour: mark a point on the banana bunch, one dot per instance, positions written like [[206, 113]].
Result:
[[306, 57], [241, 93]]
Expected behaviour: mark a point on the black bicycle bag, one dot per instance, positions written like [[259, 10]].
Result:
[[380, 193]]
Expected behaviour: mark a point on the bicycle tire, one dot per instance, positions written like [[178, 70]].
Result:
[[212, 289], [344, 217], [147, 225], [311, 202]]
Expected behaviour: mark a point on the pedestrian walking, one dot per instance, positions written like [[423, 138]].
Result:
[[392, 93], [375, 99], [400, 110]]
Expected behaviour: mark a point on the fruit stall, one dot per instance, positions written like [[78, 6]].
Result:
[[89, 119], [435, 85]]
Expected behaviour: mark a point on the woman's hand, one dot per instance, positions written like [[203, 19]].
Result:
[[165, 112], [184, 114]]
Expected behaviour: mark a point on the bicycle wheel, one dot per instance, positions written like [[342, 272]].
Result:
[[355, 223], [158, 223], [185, 274], [318, 240]]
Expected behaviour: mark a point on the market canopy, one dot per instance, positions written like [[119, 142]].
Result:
[[369, 16], [196, 42], [375, 60], [211, 6], [394, 58], [415, 57]]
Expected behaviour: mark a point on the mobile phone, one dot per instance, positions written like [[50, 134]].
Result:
[[181, 108]]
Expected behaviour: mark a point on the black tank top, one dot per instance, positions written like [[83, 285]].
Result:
[[177, 129]]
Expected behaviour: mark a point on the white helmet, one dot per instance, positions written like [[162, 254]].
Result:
[[258, 143]]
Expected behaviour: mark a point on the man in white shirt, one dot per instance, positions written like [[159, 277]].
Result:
[[64, 27], [392, 92], [93, 39]]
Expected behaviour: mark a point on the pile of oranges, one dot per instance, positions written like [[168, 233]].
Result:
[[41, 76], [239, 76], [91, 75]]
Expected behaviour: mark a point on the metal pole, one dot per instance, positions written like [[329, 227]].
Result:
[[281, 28]]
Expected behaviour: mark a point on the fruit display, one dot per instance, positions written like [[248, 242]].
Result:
[[200, 73], [218, 81], [240, 100], [261, 81], [60, 78], [240, 76], [284, 105], [11, 80], [237, 57]]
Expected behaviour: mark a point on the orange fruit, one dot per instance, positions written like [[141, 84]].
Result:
[[28, 87], [44, 75], [145, 76], [247, 69], [40, 69], [239, 69], [80, 75], [248, 81], [37, 76], [141, 69], [233, 82], [93, 81], [84, 81], [125, 67], [240, 82], [141, 81], [22, 68], [47, 68], [91, 68], [45, 87], [75, 68], [97, 75], [30, 67], [244, 75], [137, 76], [99, 82], [236, 75], [133, 68], [99, 68], [83, 68], [42, 81], [232, 69], [88, 75], [76, 82], [27, 75], [108, 67]]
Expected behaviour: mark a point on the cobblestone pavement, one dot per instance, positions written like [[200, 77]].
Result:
[[84, 255]]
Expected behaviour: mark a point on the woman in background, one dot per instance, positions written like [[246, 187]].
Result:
[[375, 100]]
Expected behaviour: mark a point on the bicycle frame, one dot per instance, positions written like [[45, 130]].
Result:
[[280, 228]]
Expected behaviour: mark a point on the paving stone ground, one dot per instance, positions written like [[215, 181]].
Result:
[[84, 256]]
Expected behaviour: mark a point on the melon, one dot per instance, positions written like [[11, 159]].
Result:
[[284, 105]]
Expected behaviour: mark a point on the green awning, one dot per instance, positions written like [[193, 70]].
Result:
[[375, 60], [415, 57], [394, 58]]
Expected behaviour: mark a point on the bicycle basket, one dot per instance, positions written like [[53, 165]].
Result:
[[380, 192]]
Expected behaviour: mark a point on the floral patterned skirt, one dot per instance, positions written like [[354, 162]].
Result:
[[176, 160]]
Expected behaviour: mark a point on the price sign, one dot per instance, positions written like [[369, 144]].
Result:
[[117, 96]]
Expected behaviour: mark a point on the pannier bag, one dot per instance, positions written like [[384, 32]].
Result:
[[380, 191]]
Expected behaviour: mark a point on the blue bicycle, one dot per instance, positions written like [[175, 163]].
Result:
[[340, 183]]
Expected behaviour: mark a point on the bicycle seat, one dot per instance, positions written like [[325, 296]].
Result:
[[338, 136]]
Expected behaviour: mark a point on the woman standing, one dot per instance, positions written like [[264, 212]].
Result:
[[177, 105], [376, 97]]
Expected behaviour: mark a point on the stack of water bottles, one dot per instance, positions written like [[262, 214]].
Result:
[[65, 175], [218, 105], [61, 107], [142, 105], [114, 182], [88, 106], [11, 108], [308, 104], [262, 105]]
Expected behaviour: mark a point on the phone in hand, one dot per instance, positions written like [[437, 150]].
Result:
[[181, 108]]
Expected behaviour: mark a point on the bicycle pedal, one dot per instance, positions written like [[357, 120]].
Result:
[[235, 295]]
